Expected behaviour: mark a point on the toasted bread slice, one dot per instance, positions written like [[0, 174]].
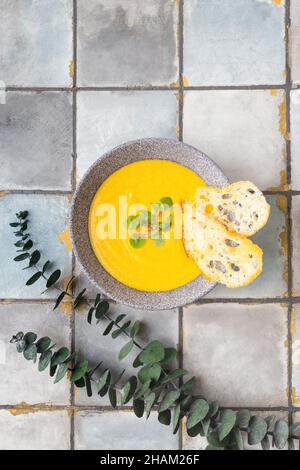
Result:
[[221, 255], [241, 206]]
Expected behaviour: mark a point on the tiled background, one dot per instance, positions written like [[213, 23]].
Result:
[[83, 76]]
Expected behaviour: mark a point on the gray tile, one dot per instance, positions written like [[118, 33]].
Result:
[[36, 138], [296, 244], [36, 42], [43, 430], [82, 282], [295, 331], [123, 43], [200, 443], [238, 353], [295, 138], [236, 42], [273, 240], [241, 130], [23, 383], [90, 343], [107, 119], [295, 41], [48, 218], [121, 430]]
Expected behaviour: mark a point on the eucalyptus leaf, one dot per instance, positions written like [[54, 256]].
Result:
[[151, 372], [138, 408], [120, 317], [112, 394], [242, 418], [34, 278], [34, 258], [103, 380], [79, 370], [30, 352], [258, 428], [53, 278], [154, 352], [150, 400], [238, 438], [61, 372], [30, 337], [120, 330], [59, 299], [281, 433], [169, 399], [164, 417], [265, 443], [21, 345], [129, 390], [137, 362], [88, 385], [175, 374], [79, 298], [176, 417], [44, 360], [213, 408], [170, 355], [43, 344], [108, 328], [227, 422], [101, 309], [295, 429], [135, 329], [143, 389], [52, 370], [198, 411], [60, 356], [46, 266], [125, 350], [28, 245], [21, 257], [213, 439], [90, 315], [80, 383]]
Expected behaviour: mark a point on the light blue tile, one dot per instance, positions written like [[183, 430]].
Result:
[[241, 130], [127, 43], [295, 138], [90, 343], [48, 218], [24, 383], [295, 41], [36, 42], [272, 239], [121, 430], [234, 42], [36, 141], [296, 244], [43, 430], [296, 354], [107, 119], [238, 352]]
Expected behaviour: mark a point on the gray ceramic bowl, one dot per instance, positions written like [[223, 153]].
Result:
[[165, 149]]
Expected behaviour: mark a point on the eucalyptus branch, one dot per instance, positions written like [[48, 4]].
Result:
[[154, 387]]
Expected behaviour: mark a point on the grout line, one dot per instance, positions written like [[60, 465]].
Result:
[[37, 191], [289, 214], [72, 318], [108, 408], [234, 87], [270, 300], [180, 137], [59, 192], [151, 87], [180, 69]]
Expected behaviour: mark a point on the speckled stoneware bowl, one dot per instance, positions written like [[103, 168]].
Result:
[[165, 149]]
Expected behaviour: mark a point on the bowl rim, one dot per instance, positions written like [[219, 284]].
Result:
[[179, 300]]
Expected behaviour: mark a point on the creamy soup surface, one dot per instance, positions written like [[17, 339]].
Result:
[[132, 229]]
